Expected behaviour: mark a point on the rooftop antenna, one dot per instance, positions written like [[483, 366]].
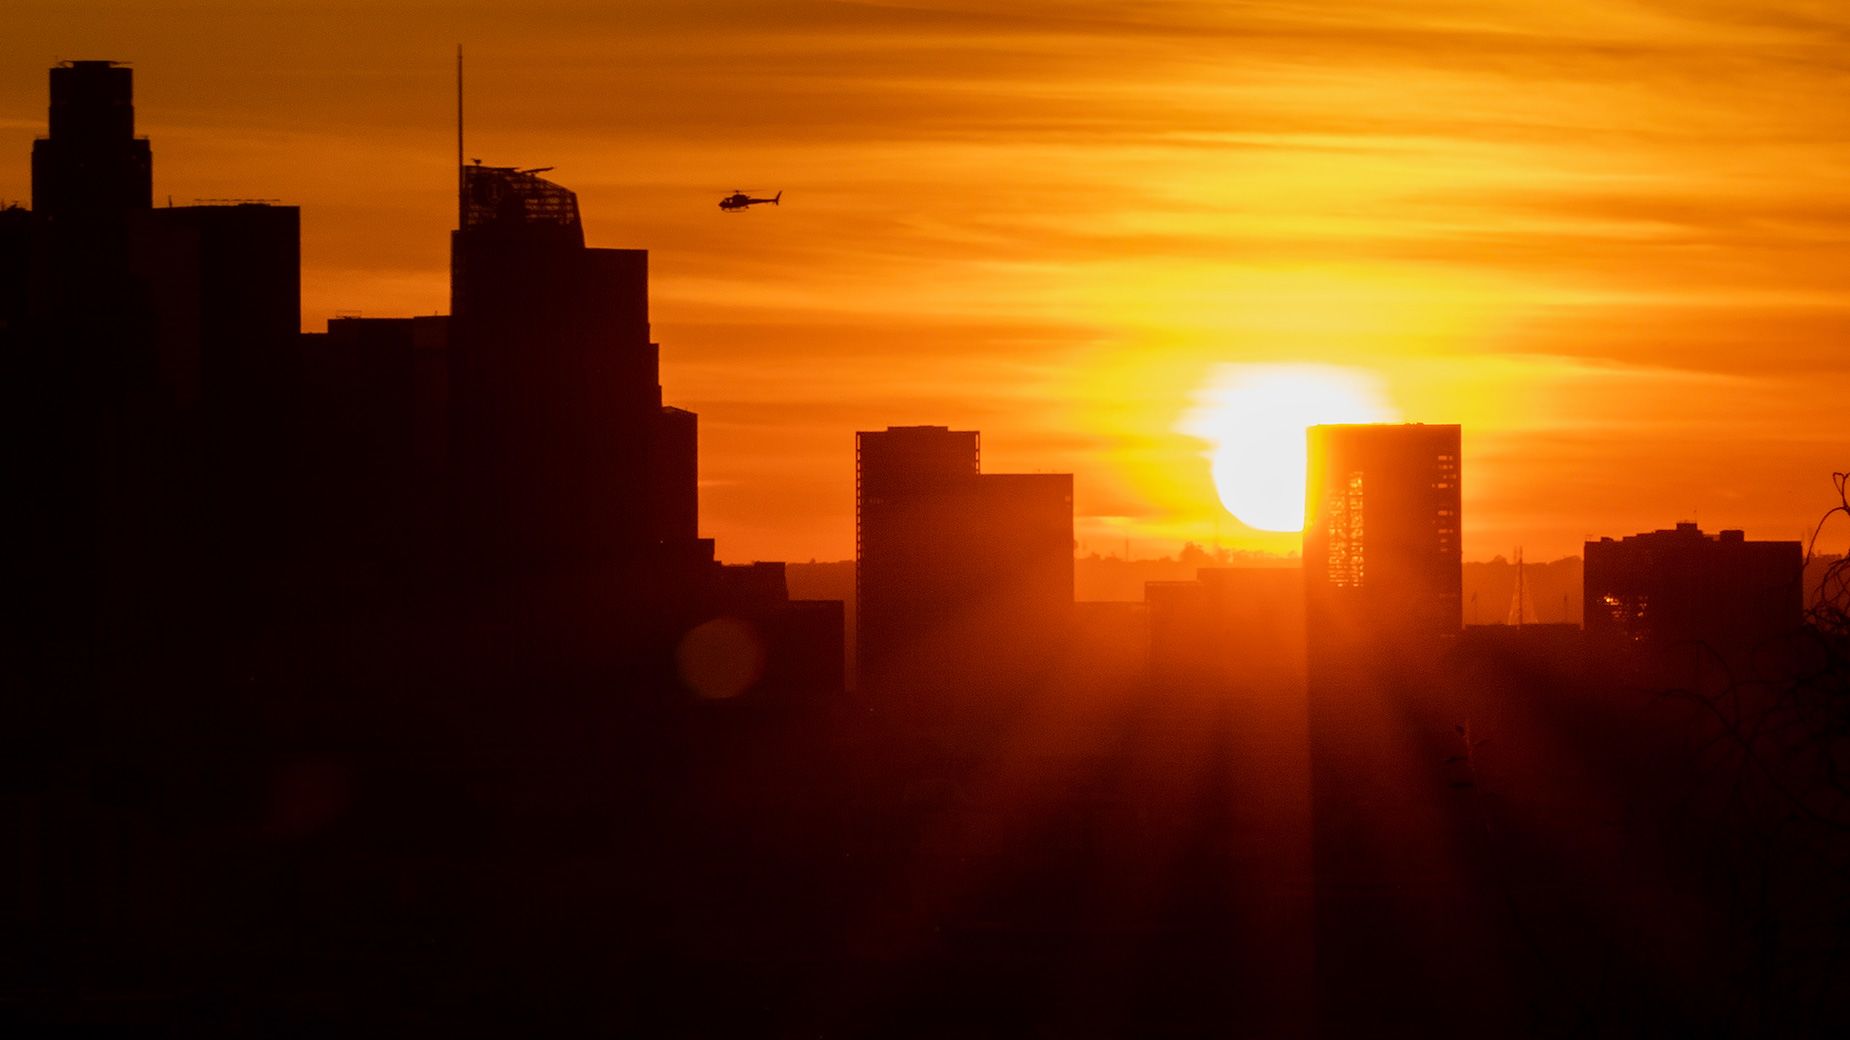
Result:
[[1522, 606], [462, 174]]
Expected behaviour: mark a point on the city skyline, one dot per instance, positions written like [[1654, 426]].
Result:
[[1596, 266], [391, 675]]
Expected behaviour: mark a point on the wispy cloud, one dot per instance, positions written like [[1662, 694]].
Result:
[[1052, 217]]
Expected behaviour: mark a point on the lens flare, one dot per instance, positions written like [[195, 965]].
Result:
[[721, 658], [1254, 417]]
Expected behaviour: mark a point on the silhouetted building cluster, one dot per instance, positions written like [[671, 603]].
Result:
[[1382, 560], [189, 453], [964, 577], [381, 676], [311, 620], [510, 467]]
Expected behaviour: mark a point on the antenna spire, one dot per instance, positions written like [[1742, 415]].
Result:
[[462, 183]]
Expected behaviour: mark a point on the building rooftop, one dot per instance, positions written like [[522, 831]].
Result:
[[1684, 532]]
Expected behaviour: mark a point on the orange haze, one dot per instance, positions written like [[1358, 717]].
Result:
[[1608, 237]]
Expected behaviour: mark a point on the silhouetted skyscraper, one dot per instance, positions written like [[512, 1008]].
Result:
[[374, 436], [960, 573], [1381, 542], [91, 164], [97, 468], [91, 180], [224, 283], [561, 447], [574, 489]]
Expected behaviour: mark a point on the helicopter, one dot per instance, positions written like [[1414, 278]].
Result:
[[739, 200]]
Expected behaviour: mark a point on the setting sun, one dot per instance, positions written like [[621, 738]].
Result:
[[1254, 417]]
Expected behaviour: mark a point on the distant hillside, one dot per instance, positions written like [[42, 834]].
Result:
[[1552, 591]]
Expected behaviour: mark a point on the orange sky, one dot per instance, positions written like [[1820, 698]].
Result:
[[1611, 238]]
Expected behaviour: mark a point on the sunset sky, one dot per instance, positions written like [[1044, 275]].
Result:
[[1610, 238]]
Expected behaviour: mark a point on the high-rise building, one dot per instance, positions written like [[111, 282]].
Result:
[[563, 451], [1681, 587], [1232, 629], [574, 489], [160, 347], [960, 573], [223, 289], [221, 292], [1381, 540], [375, 406], [91, 163], [91, 185]]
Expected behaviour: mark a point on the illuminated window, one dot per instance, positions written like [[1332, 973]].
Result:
[[1347, 559], [1446, 472], [1629, 614]]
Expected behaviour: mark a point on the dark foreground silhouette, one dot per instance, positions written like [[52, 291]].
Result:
[[351, 838]]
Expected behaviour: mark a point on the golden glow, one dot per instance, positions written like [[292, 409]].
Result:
[[1254, 417], [1554, 224]]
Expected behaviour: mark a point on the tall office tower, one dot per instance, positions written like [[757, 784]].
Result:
[[1381, 540], [224, 302], [961, 575], [86, 432], [374, 395], [224, 288], [1382, 597], [562, 454], [91, 179], [1681, 587], [84, 316], [91, 164]]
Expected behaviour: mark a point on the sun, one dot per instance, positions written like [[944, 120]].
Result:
[[1254, 417]]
